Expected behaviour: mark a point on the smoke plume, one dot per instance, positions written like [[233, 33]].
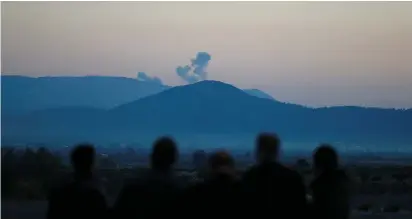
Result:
[[141, 76], [196, 71]]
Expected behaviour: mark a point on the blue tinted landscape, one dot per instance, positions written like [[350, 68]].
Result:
[[126, 110], [314, 98]]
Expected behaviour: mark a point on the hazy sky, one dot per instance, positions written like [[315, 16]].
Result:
[[312, 53]]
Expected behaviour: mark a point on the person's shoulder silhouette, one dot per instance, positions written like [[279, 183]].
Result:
[[149, 196], [331, 186], [82, 196], [272, 186], [220, 193]]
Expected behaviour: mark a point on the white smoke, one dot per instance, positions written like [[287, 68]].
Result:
[[141, 76], [196, 71]]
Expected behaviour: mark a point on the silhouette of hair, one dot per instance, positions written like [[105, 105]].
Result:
[[164, 153], [83, 157], [221, 159], [325, 157], [268, 145]]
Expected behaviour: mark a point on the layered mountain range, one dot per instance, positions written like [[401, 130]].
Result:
[[110, 107]]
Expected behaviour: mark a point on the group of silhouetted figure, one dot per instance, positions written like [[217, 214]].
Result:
[[267, 189]]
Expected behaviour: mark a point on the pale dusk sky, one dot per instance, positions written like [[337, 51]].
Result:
[[310, 53]]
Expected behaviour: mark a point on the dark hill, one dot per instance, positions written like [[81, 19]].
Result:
[[207, 106], [22, 95], [216, 107]]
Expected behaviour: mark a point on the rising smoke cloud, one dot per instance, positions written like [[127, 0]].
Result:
[[142, 76], [196, 71]]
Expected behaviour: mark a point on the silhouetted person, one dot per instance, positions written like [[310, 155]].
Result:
[[271, 188], [220, 193], [83, 196], [155, 194], [330, 188]]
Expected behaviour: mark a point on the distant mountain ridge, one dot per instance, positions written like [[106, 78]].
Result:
[[219, 108], [21, 94], [259, 93], [25, 94]]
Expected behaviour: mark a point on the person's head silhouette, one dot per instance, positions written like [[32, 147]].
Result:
[[164, 154], [221, 162], [325, 158], [267, 147], [82, 159]]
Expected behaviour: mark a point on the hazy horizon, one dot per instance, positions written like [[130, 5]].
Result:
[[310, 53]]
